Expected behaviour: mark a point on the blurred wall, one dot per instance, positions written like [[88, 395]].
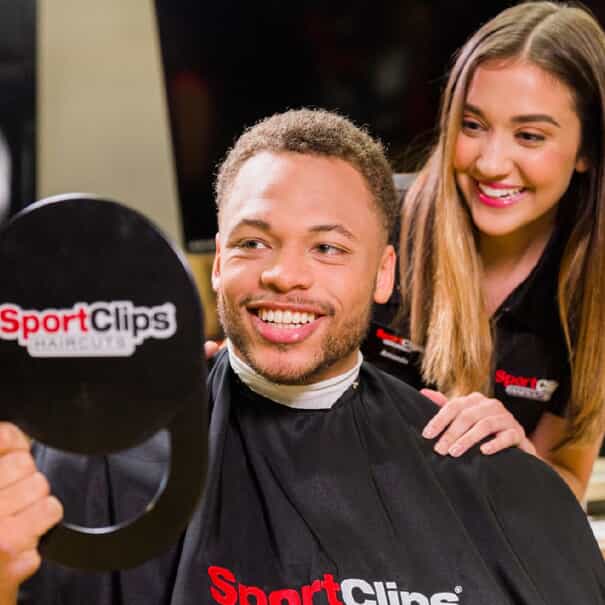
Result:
[[102, 120]]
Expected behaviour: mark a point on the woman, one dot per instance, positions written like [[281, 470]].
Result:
[[503, 243]]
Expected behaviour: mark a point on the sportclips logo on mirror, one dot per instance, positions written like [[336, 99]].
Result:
[[100, 329]]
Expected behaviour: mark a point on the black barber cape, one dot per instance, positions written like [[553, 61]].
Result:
[[342, 506]]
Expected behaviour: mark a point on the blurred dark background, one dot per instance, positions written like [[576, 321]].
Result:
[[17, 104], [230, 63]]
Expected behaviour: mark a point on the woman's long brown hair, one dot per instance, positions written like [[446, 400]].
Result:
[[441, 270]]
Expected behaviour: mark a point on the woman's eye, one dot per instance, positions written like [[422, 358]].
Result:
[[470, 126], [531, 137]]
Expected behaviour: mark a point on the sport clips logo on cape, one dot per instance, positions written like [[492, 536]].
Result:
[[226, 590], [99, 329]]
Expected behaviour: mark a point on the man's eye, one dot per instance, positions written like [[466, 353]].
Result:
[[329, 249], [251, 244]]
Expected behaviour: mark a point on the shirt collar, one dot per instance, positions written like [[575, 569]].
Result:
[[533, 302], [316, 396]]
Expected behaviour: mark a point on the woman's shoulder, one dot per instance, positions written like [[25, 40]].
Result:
[[392, 351]]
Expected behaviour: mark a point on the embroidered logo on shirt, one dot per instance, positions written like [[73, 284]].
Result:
[[394, 347], [226, 590], [539, 389]]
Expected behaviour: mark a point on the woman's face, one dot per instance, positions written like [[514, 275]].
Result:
[[517, 148]]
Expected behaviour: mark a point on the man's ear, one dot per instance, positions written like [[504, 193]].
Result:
[[216, 264], [385, 278]]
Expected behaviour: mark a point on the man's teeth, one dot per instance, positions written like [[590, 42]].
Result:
[[290, 318], [499, 193]]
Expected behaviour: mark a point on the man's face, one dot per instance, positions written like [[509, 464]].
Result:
[[300, 258]]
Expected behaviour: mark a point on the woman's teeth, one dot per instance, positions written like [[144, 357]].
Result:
[[286, 318], [499, 193]]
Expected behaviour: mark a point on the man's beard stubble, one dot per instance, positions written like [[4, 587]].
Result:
[[333, 348]]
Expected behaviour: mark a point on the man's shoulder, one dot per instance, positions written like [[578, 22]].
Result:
[[544, 522], [511, 480], [515, 480], [218, 371], [415, 407], [515, 501]]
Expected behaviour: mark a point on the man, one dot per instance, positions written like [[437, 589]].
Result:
[[320, 489]]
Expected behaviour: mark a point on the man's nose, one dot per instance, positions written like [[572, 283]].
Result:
[[494, 159], [288, 271]]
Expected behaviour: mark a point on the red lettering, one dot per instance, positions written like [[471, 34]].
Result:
[[82, 316], [222, 592], [67, 318], [260, 598], [8, 316], [507, 379], [386, 336], [30, 325], [308, 592], [53, 319], [280, 597], [331, 589]]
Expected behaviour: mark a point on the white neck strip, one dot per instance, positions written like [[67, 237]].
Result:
[[318, 396]]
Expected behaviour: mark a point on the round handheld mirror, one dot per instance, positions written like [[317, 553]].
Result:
[[101, 347]]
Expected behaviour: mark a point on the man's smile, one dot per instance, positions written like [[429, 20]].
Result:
[[285, 323], [286, 318]]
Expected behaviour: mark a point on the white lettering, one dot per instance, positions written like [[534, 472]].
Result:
[[381, 595], [444, 598], [413, 598], [547, 386], [394, 357], [359, 586]]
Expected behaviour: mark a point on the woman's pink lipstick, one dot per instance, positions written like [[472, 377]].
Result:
[[499, 202]]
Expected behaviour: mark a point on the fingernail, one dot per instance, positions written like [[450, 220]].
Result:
[[486, 449], [455, 451], [429, 432], [441, 448]]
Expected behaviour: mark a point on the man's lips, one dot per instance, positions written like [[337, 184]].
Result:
[[279, 333], [285, 323]]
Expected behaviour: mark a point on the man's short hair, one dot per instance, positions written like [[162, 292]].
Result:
[[321, 133]]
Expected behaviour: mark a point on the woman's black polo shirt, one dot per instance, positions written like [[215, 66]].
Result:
[[531, 374]]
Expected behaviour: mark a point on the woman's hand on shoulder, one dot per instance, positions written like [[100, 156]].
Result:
[[464, 421], [211, 348]]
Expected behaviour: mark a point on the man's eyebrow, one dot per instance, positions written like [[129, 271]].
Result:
[[323, 228], [333, 227], [253, 222], [522, 119]]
